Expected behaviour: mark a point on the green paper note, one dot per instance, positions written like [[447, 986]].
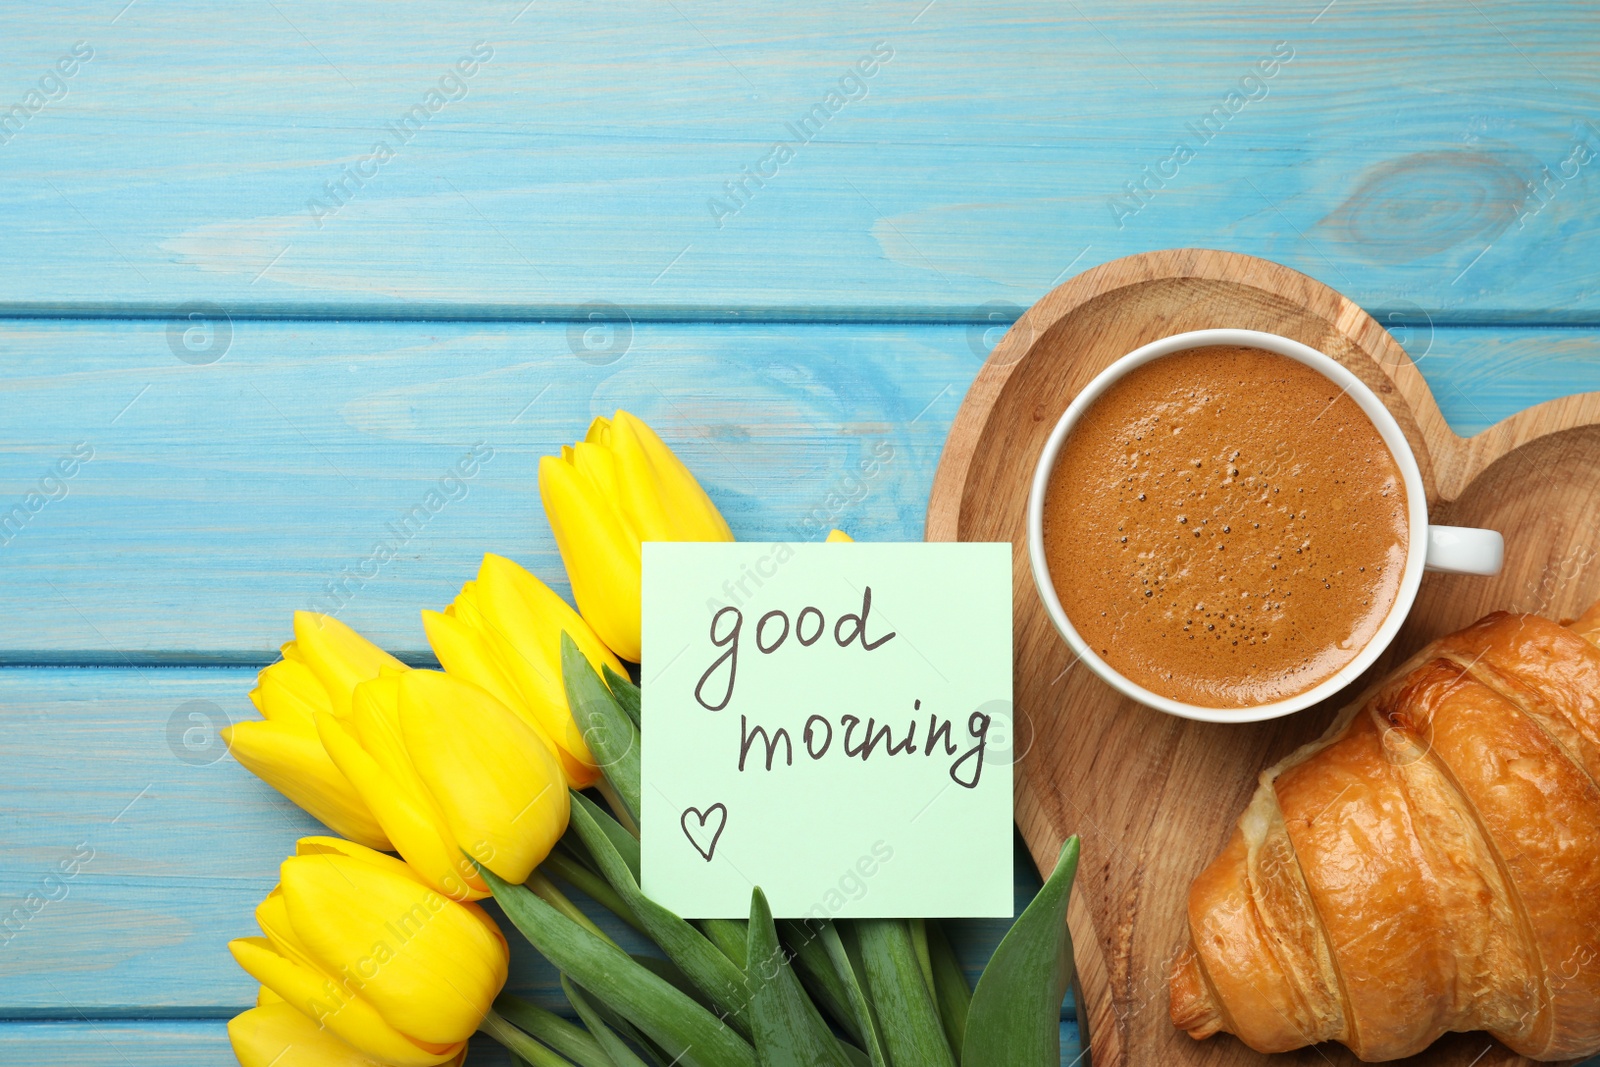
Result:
[[839, 662]]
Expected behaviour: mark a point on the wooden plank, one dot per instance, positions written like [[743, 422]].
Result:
[[220, 498], [283, 465], [205, 1044], [992, 153], [149, 1043], [118, 777]]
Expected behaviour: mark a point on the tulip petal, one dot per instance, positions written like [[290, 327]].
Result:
[[524, 620], [483, 919], [335, 846], [580, 768], [420, 831], [602, 557], [483, 657], [419, 958], [597, 465], [463, 654], [510, 591], [497, 782], [325, 1003], [465, 605], [339, 656], [639, 493], [293, 761], [272, 915], [655, 482], [274, 1034], [604, 496], [289, 690]]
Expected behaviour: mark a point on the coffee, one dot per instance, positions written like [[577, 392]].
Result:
[[1226, 527]]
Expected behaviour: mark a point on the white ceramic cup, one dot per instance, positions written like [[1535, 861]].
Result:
[[1454, 549]]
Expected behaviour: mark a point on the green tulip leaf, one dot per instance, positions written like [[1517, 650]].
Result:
[[625, 844], [950, 988], [612, 737], [667, 1015], [624, 1029], [574, 1042], [523, 1049], [674, 974], [907, 1017], [919, 944], [628, 695], [704, 964], [815, 971], [833, 945], [1015, 1016], [856, 1057], [730, 935], [617, 1052], [561, 865], [789, 1031]]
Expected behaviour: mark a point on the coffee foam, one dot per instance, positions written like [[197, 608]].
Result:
[[1226, 527]]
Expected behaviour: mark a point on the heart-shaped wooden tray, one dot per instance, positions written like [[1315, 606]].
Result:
[[1155, 797]]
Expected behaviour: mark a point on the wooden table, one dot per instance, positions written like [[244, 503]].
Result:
[[787, 238]]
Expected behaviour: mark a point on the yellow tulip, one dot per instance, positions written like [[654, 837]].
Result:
[[838, 536], [340, 658], [318, 674], [446, 769], [606, 495], [276, 1035], [371, 957], [503, 634]]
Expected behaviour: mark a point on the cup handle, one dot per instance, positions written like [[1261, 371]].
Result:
[[1463, 550]]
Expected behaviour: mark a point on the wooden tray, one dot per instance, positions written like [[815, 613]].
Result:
[[1155, 797]]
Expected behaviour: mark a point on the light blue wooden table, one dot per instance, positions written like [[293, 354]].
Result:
[[268, 269]]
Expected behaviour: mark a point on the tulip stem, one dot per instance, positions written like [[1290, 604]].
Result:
[[567, 1038], [519, 1044], [546, 891], [599, 890], [618, 808]]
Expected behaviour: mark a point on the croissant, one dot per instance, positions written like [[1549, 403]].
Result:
[[1431, 864]]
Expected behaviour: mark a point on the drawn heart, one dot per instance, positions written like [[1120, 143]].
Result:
[[697, 825]]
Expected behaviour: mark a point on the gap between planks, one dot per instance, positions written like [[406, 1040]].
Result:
[[992, 313]]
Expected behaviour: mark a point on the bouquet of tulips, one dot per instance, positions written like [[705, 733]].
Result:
[[514, 771]]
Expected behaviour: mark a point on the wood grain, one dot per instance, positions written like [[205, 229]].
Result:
[[195, 1043], [125, 766], [1156, 796], [1389, 157], [222, 497]]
